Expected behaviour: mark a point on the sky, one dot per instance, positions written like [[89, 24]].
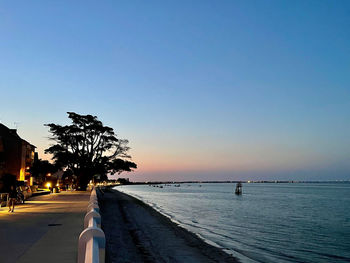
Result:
[[203, 90]]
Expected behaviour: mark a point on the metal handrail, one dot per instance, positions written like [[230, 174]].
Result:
[[92, 241]]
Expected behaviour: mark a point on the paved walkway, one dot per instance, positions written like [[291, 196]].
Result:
[[45, 229]]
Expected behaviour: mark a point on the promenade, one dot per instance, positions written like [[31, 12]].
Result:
[[44, 229]]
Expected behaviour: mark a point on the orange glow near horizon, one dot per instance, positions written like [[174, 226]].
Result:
[[235, 158]]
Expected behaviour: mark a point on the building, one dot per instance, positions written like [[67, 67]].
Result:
[[16, 155]]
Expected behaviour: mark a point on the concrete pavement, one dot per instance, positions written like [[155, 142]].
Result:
[[45, 229]]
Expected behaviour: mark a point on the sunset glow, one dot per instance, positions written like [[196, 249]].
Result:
[[216, 90]]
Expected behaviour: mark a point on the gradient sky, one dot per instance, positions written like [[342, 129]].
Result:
[[204, 90]]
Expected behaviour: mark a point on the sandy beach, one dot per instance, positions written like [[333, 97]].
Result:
[[135, 232]]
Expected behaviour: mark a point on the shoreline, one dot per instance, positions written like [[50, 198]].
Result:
[[177, 223], [136, 232]]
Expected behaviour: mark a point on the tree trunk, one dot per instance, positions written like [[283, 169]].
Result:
[[83, 179]]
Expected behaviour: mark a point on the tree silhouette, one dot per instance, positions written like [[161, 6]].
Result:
[[41, 168], [87, 147]]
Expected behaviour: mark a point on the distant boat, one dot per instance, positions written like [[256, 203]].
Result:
[[238, 190]]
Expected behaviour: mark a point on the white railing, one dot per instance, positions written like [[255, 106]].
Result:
[[92, 241]]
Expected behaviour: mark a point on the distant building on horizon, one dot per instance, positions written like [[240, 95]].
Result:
[[16, 155]]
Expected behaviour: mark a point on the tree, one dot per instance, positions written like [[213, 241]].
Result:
[[41, 168], [87, 147]]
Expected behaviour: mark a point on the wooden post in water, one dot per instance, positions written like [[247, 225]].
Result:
[[238, 190]]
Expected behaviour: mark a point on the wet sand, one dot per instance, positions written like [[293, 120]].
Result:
[[135, 232]]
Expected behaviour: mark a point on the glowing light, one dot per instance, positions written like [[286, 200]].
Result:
[[48, 185], [22, 175]]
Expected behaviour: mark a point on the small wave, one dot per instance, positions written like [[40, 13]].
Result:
[[240, 226], [326, 255], [172, 218]]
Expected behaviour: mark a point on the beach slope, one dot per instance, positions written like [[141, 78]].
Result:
[[135, 232]]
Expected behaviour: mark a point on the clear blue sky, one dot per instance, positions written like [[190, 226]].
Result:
[[204, 90]]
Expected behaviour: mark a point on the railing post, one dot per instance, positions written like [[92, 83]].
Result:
[[92, 241], [92, 215], [94, 207], [90, 233]]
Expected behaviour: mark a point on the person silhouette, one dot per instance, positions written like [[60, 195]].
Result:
[[12, 198]]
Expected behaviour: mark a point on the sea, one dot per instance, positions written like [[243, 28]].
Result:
[[269, 222]]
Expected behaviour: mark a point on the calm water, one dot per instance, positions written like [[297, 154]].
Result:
[[268, 223]]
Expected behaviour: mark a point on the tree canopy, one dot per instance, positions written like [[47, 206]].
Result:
[[87, 147], [41, 168]]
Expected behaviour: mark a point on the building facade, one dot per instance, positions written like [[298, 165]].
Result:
[[16, 154]]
